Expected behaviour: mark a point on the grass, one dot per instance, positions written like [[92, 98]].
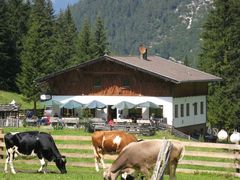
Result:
[[73, 132], [80, 173], [89, 173], [7, 97]]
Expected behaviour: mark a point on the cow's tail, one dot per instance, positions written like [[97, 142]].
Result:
[[182, 153]]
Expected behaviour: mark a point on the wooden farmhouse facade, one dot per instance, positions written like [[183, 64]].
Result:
[[179, 90]]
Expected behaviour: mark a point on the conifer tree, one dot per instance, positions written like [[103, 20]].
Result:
[[100, 38], [5, 48], [221, 56], [66, 35], [36, 56], [84, 45], [18, 13]]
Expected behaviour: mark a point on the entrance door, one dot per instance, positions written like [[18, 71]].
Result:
[[112, 113]]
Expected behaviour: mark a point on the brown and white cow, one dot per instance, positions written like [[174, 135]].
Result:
[[109, 142], [142, 157]]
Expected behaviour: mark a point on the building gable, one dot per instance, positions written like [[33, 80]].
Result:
[[129, 76]]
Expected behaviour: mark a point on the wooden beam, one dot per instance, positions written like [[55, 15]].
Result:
[[113, 72], [210, 154], [208, 163]]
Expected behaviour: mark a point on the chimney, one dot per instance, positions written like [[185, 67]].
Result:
[[143, 52]]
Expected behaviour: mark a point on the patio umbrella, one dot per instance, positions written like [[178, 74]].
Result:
[[148, 104], [72, 105], [123, 105], [52, 103], [55, 107], [95, 104]]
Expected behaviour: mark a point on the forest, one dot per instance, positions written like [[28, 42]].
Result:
[[34, 42], [169, 28]]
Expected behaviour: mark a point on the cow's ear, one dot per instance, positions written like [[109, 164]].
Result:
[[64, 159]]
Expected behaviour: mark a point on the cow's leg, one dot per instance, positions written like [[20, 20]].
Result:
[[128, 174], [115, 175], [11, 158], [96, 159], [102, 161], [6, 163], [43, 165], [146, 173], [172, 170]]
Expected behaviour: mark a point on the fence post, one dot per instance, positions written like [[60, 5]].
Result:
[[237, 160], [1, 142]]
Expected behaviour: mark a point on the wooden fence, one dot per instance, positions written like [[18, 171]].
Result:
[[212, 157], [9, 122]]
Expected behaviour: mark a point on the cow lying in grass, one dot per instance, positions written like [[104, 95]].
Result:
[[109, 142], [142, 157], [33, 143]]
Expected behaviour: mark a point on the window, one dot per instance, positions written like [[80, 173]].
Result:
[[126, 83], [202, 108], [187, 109], [182, 110], [176, 111], [97, 83], [195, 108]]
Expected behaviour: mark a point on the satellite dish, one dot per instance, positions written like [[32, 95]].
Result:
[[45, 97], [222, 135], [235, 137]]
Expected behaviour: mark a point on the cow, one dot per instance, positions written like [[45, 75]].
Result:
[[141, 157], [109, 142], [33, 143]]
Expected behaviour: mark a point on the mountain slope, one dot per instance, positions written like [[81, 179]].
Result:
[[169, 28]]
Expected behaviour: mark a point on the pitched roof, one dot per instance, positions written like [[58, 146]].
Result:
[[8, 108], [154, 65], [167, 69]]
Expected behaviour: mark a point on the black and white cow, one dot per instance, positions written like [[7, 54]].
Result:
[[33, 143]]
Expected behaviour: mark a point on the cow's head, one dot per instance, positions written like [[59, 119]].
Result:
[[60, 163], [107, 174]]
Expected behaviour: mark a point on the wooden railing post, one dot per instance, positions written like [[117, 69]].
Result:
[[237, 159], [1, 142]]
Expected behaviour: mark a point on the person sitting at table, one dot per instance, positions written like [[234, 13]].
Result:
[[55, 115], [111, 123], [152, 121]]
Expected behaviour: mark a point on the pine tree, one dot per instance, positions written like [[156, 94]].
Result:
[[66, 35], [221, 56], [18, 13], [36, 56], [5, 47], [84, 45], [100, 39]]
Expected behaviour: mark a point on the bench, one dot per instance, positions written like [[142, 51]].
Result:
[[68, 122]]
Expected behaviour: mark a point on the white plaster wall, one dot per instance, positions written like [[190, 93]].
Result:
[[191, 119], [166, 102]]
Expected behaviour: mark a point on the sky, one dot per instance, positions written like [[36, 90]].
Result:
[[62, 4]]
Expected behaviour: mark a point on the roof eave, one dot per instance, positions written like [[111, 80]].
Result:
[[43, 79], [202, 80]]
